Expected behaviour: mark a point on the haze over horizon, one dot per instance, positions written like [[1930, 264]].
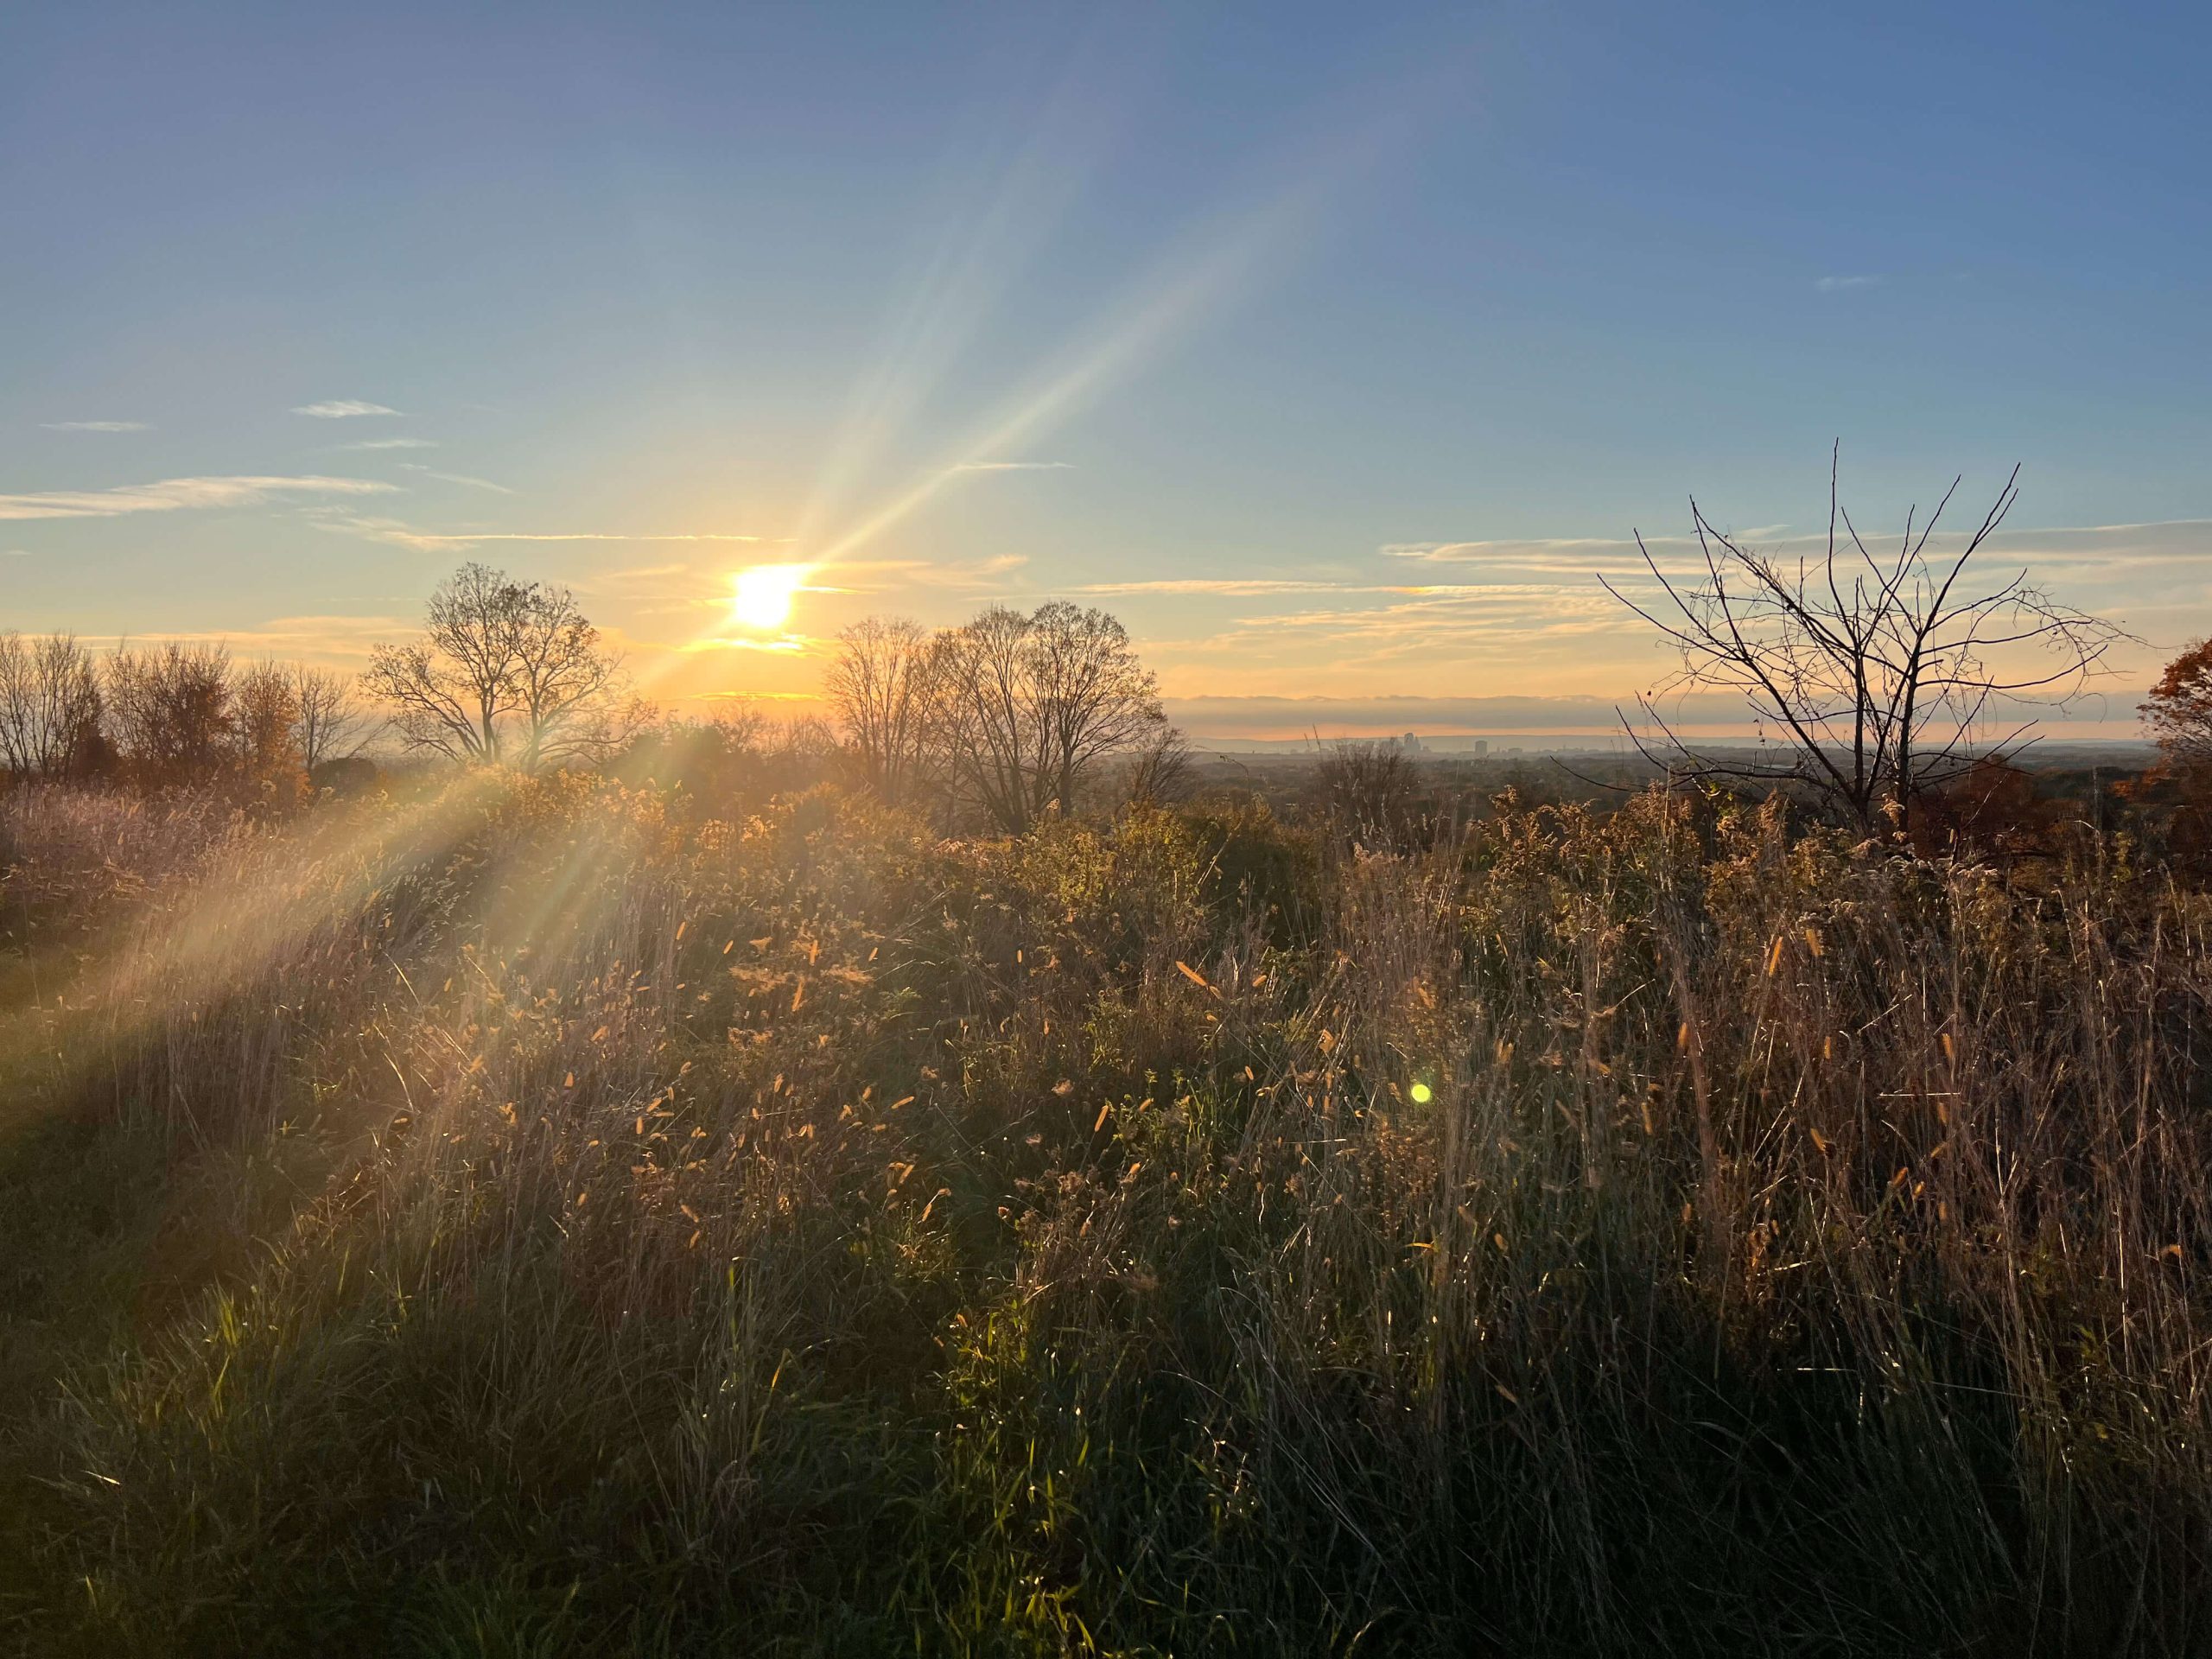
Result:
[[1336, 357]]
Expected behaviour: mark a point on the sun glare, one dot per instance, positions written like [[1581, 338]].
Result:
[[764, 595]]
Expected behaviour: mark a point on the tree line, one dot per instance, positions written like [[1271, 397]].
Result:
[[173, 713], [1873, 678], [1008, 719], [1003, 720]]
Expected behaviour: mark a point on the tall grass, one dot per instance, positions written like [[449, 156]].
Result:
[[516, 1222]]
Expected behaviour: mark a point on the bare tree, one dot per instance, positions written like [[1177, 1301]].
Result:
[[1094, 697], [49, 704], [1032, 704], [568, 690], [884, 685], [505, 670], [453, 691], [331, 722], [1880, 678], [169, 708], [992, 738]]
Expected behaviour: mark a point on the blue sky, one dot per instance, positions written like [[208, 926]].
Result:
[[1334, 349]]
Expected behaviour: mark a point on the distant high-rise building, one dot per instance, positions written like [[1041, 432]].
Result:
[[1410, 744], [1482, 746]]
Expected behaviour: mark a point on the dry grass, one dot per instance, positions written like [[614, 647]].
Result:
[[515, 1221]]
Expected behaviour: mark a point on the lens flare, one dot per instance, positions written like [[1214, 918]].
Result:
[[763, 597]]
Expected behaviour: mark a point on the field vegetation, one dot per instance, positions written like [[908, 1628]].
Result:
[[548, 1215], [757, 1193]]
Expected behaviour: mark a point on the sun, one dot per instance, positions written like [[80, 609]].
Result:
[[763, 600]]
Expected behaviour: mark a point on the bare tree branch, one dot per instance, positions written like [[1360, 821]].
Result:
[[1880, 684], [505, 670]]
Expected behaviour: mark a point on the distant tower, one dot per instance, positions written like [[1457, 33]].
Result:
[[1410, 744], [1482, 746]]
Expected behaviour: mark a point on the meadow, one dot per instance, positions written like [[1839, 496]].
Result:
[[518, 1215]]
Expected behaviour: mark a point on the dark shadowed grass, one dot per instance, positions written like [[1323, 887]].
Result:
[[516, 1222]]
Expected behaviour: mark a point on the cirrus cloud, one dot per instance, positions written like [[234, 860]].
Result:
[[341, 409], [401, 534], [457, 478], [176, 494]]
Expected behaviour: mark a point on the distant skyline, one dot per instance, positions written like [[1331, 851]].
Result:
[[1334, 351]]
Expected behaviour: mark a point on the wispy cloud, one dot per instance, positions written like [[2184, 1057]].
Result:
[[316, 639], [1015, 466], [449, 541], [960, 575], [389, 443], [472, 483], [399, 534], [1261, 586], [458, 478], [95, 426], [1836, 284], [175, 494], [1535, 558], [612, 536], [341, 409], [2062, 552], [1530, 614], [1429, 626], [16, 553]]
